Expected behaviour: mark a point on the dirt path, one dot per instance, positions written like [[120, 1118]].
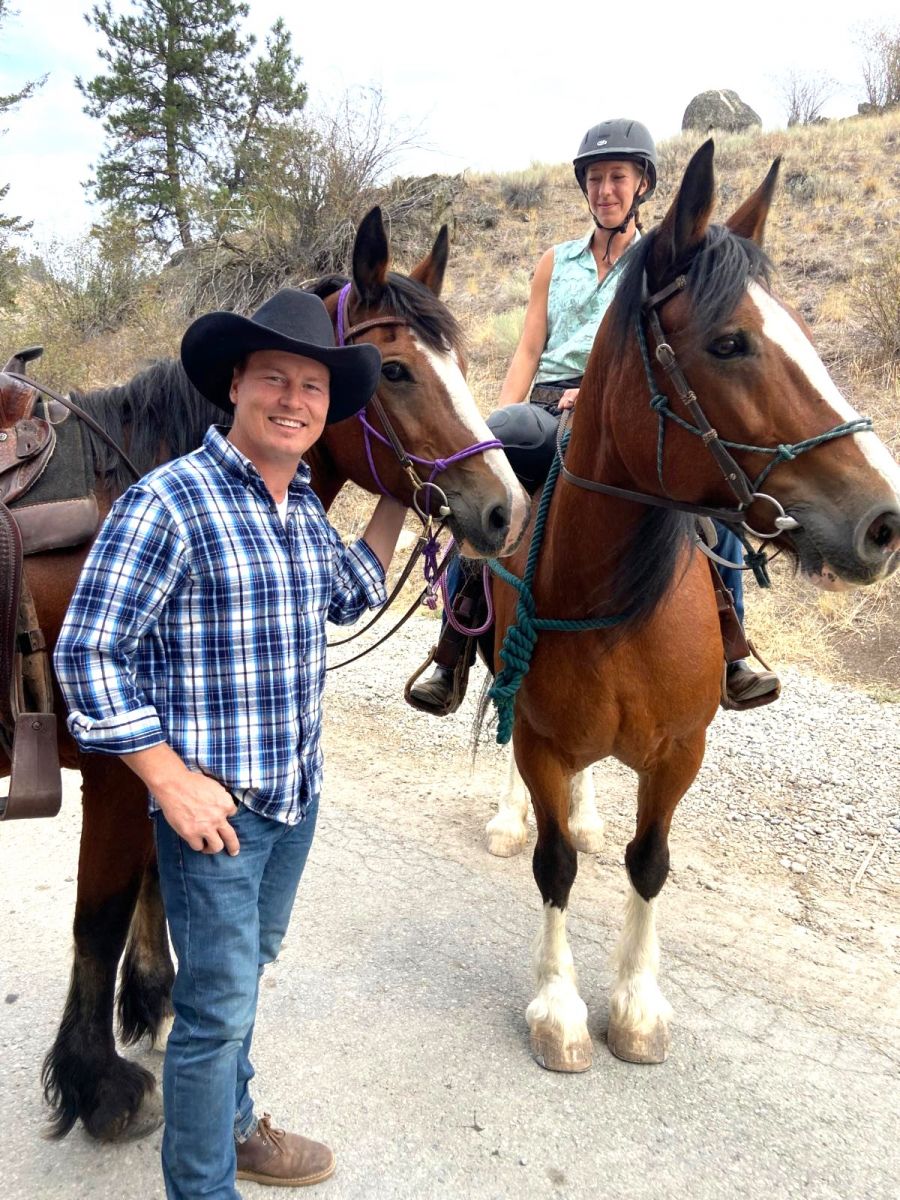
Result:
[[393, 1023]]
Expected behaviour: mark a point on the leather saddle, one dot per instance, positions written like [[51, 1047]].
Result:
[[27, 722]]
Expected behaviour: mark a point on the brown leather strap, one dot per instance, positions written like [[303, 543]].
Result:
[[10, 588], [734, 640]]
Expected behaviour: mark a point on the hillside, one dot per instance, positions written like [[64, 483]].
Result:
[[834, 236]]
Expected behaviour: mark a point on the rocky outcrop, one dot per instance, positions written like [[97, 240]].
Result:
[[723, 110]]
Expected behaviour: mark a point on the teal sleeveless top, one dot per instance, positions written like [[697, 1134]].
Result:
[[576, 304]]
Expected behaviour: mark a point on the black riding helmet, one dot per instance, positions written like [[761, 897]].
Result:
[[618, 139]]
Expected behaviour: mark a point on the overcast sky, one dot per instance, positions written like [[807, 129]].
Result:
[[488, 88]]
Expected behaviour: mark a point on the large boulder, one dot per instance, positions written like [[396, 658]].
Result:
[[723, 110]]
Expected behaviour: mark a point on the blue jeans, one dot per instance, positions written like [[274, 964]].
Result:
[[227, 918], [729, 546]]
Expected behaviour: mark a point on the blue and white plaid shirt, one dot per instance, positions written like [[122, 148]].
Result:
[[199, 620]]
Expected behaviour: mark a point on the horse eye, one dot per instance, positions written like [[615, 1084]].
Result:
[[731, 345], [395, 372]]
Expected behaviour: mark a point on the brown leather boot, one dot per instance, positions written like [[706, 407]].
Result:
[[445, 688], [746, 688], [270, 1155]]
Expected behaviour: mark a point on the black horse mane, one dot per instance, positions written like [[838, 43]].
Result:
[[413, 302], [158, 414], [717, 275]]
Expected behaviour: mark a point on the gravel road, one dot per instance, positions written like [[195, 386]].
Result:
[[393, 1023], [807, 785]]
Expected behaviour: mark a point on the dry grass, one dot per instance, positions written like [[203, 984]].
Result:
[[836, 215]]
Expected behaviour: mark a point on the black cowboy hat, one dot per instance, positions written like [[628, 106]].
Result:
[[294, 321]]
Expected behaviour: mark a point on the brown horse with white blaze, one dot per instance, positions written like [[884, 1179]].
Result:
[[645, 690], [158, 414]]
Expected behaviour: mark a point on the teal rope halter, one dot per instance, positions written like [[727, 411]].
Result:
[[521, 636]]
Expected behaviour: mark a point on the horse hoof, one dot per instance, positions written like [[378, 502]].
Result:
[[587, 838], [639, 1047], [505, 842], [570, 1059], [147, 1119]]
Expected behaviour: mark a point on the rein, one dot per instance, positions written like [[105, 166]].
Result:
[[427, 544], [521, 635]]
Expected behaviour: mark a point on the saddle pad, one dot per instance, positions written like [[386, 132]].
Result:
[[60, 509]]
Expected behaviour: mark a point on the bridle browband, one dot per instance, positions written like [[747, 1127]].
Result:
[[425, 488], [746, 491]]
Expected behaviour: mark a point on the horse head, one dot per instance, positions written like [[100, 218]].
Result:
[[742, 373], [427, 413]]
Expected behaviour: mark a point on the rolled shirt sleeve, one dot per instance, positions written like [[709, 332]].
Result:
[[357, 580], [135, 564]]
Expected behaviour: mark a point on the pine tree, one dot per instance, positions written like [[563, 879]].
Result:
[[8, 224], [183, 106]]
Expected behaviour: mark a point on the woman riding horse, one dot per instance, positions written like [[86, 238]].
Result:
[[573, 286]]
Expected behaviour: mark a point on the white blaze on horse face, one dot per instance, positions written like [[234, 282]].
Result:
[[446, 367], [781, 328]]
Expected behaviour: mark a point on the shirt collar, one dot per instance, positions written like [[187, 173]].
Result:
[[583, 245], [226, 455]]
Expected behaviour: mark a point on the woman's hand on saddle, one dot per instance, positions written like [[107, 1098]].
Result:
[[196, 806], [569, 396]]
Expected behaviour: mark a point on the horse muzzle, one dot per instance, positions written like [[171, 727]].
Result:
[[485, 527], [838, 552]]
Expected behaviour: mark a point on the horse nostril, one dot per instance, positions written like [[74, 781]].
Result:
[[498, 518], [883, 534]]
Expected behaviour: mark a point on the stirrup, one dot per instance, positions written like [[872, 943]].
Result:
[[35, 784], [457, 690], [732, 705]]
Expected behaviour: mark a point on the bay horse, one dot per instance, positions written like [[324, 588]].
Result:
[[157, 415], [694, 326]]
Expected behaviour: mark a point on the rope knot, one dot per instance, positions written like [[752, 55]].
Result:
[[786, 453], [659, 402]]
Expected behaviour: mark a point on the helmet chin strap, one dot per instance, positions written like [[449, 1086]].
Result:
[[631, 215]]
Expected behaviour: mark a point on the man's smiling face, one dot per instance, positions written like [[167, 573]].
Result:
[[280, 405]]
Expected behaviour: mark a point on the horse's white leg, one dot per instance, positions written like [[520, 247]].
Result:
[[557, 1016], [506, 832], [638, 1011], [585, 826]]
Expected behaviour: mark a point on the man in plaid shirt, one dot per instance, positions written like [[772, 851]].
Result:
[[194, 648]]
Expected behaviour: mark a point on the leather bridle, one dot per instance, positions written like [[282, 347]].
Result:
[[746, 491]]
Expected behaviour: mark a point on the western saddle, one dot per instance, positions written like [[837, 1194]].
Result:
[[27, 720]]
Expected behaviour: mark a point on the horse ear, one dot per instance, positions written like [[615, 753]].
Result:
[[750, 219], [686, 221], [430, 270], [370, 257]]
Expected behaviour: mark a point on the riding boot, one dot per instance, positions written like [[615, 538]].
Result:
[[742, 687], [445, 688]]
